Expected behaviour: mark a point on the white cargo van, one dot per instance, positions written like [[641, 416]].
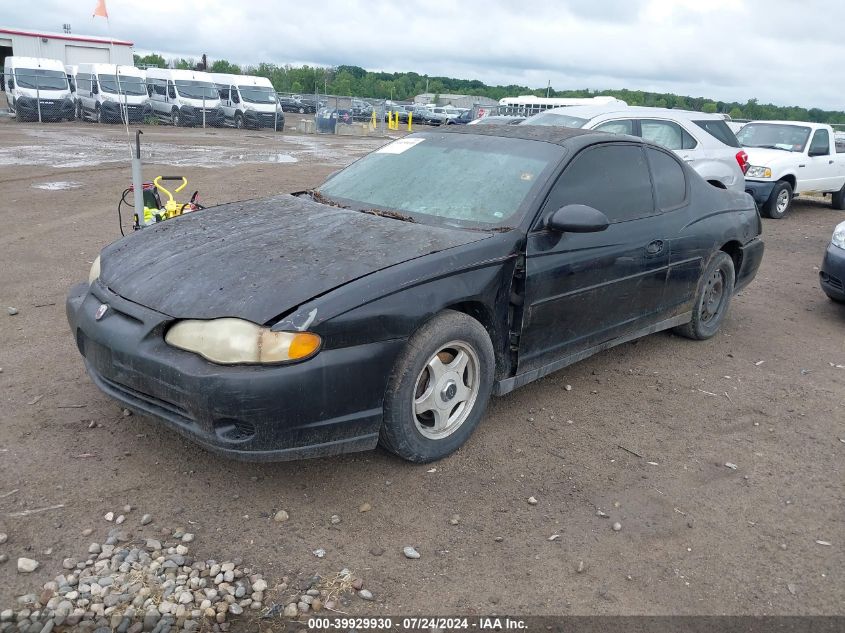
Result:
[[109, 93], [184, 97], [249, 101], [38, 87], [70, 71]]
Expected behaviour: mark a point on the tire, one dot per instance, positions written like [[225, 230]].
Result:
[[98, 114], [410, 430], [79, 116], [239, 121], [837, 199], [779, 202], [712, 299], [174, 117]]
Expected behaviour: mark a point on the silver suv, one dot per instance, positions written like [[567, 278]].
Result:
[[703, 140]]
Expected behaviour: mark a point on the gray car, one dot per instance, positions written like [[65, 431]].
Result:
[[702, 140]]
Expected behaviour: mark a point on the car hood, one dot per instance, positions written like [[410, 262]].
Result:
[[258, 259], [765, 157]]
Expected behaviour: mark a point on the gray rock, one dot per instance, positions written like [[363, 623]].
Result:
[[281, 516], [335, 519], [3, 537], [365, 594], [27, 565], [410, 552], [617, 526], [291, 610], [146, 519], [94, 548], [235, 609], [12, 311]]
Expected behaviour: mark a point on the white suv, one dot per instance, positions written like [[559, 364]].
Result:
[[703, 140]]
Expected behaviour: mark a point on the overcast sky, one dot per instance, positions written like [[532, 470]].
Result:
[[780, 51]]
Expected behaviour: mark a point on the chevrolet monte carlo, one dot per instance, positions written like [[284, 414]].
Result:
[[387, 305]]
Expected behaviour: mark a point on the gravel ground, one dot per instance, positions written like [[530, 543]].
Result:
[[665, 476]]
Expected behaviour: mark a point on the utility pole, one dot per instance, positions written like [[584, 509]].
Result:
[[548, 89]]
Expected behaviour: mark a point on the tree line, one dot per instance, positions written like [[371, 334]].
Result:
[[356, 81]]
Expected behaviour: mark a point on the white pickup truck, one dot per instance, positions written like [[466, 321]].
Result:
[[787, 158]]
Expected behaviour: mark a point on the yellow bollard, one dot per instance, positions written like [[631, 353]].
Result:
[[410, 117], [373, 121]]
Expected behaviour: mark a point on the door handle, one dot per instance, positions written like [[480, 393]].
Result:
[[830, 162], [655, 247]]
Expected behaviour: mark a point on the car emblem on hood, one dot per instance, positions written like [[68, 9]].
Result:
[[101, 312]]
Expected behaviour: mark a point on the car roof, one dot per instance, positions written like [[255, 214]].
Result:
[[591, 112], [564, 136]]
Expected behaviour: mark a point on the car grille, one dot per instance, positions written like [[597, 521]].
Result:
[[132, 394]]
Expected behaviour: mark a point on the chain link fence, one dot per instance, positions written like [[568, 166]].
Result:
[[203, 100]]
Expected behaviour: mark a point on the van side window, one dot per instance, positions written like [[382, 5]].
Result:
[[613, 178], [223, 91], [667, 133], [821, 143]]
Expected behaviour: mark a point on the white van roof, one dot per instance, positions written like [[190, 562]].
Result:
[[178, 73], [593, 111], [240, 80], [34, 62], [110, 69]]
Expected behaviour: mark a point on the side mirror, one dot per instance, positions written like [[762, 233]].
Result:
[[578, 218]]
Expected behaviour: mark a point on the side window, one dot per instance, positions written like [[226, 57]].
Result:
[[83, 82], [670, 182], [821, 143], [667, 133], [236, 98], [161, 87], [611, 178], [616, 127]]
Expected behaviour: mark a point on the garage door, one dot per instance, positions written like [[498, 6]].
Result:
[[86, 55]]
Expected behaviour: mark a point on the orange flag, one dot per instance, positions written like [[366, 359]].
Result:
[[100, 10]]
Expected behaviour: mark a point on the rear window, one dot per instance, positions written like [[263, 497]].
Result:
[[719, 130]]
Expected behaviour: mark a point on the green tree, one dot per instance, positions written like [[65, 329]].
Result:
[[709, 107], [735, 113], [224, 66], [149, 60]]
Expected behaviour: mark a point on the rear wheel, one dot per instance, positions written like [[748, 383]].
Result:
[[439, 388], [715, 289], [239, 121], [837, 199], [779, 200]]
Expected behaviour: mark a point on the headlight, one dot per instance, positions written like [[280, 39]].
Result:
[[758, 172], [94, 274], [838, 238], [234, 341]]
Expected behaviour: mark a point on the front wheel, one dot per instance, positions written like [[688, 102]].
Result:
[[715, 289], [439, 388], [779, 201], [174, 117], [239, 121], [98, 113]]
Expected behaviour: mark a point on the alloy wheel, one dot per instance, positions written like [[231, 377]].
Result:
[[446, 390]]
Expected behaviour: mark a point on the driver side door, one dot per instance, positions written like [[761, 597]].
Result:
[[584, 289]]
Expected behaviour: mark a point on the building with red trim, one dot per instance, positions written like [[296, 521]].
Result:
[[67, 47]]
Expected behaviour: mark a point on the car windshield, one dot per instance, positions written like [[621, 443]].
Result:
[[453, 179], [555, 119], [792, 138], [257, 94], [197, 89], [128, 85], [41, 79]]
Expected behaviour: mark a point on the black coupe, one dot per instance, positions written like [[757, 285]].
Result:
[[387, 305]]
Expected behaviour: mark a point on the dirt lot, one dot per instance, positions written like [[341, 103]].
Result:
[[697, 537]]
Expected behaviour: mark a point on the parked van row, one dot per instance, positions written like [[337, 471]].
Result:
[[46, 90]]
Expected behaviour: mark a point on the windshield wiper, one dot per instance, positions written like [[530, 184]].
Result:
[[783, 149], [393, 215]]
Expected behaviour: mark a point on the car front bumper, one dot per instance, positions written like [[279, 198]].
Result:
[[113, 111], [832, 273], [256, 119], [329, 404], [759, 190], [51, 109]]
